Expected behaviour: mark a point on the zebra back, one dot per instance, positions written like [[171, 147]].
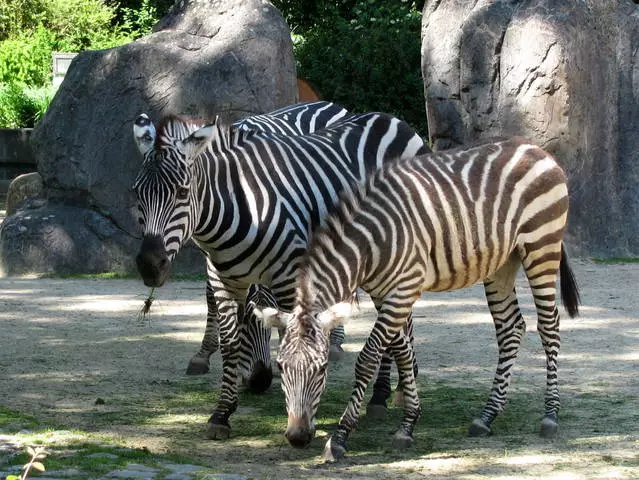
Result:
[[298, 119], [441, 221]]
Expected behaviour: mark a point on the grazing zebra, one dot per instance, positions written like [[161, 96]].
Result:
[[298, 119], [249, 199], [435, 222]]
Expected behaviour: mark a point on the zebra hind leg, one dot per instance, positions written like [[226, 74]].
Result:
[[510, 328], [377, 406], [199, 363], [541, 270], [336, 351], [258, 343], [255, 350]]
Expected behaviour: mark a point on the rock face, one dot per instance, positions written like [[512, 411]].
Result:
[[206, 57], [21, 188], [563, 74]]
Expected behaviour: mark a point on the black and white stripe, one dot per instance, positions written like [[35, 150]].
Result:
[[255, 355], [249, 199], [436, 222]]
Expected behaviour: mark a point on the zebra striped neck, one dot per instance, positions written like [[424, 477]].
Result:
[[328, 277]]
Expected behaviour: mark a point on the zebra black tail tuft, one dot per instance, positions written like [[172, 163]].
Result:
[[570, 297]]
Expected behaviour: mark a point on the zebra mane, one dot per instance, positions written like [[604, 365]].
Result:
[[177, 127], [323, 238]]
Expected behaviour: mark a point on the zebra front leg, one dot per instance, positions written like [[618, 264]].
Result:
[[367, 362], [218, 427], [404, 355], [200, 363]]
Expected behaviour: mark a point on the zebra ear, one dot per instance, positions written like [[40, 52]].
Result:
[[197, 142], [272, 317], [144, 133], [336, 315]]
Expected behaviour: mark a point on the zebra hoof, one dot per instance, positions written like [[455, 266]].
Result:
[[376, 411], [549, 428], [334, 451], [479, 429], [336, 353], [217, 431], [401, 441], [261, 378], [198, 366]]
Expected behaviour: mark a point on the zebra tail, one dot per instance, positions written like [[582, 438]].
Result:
[[570, 297]]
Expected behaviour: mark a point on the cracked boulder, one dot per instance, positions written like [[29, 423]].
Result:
[[205, 58], [563, 74]]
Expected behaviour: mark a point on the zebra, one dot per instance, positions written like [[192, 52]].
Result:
[[249, 200], [435, 222], [297, 119]]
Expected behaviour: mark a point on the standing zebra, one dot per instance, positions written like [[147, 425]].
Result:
[[435, 222], [249, 199], [298, 119]]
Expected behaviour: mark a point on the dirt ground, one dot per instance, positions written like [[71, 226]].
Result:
[[66, 343]]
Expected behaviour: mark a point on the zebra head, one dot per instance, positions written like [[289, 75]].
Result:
[[303, 363], [166, 190]]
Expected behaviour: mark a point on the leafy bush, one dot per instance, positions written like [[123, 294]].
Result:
[[63, 26], [16, 16], [26, 59], [82, 24], [139, 21], [21, 106], [370, 62]]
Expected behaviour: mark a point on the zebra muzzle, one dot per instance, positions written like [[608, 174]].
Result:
[[152, 261], [300, 431]]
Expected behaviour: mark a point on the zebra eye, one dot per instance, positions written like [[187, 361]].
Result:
[[182, 193]]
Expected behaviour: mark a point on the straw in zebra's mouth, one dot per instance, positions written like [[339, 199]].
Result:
[[146, 306]]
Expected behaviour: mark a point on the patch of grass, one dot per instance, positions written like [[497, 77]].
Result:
[[15, 421], [88, 455], [96, 460], [614, 260]]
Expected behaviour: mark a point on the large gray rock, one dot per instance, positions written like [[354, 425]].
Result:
[[206, 57], [563, 74]]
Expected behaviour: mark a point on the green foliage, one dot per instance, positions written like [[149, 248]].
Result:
[[26, 58], [303, 15], [35, 454], [138, 22], [31, 30], [82, 24], [18, 15], [370, 62], [21, 106]]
